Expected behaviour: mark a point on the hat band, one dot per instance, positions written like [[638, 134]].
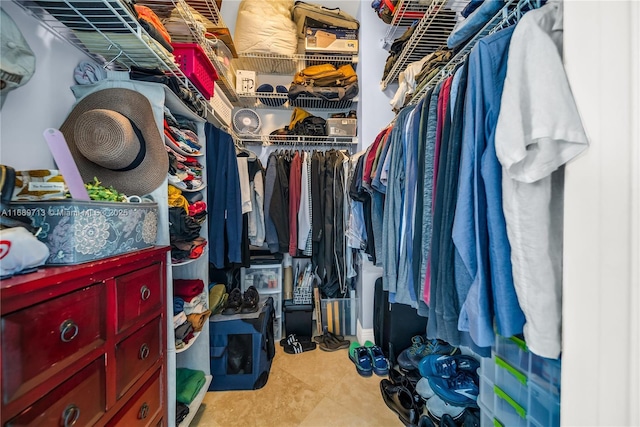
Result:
[[142, 151]]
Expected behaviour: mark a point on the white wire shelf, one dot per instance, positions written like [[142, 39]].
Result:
[[297, 140], [282, 101], [209, 11], [107, 31], [270, 63], [430, 33], [508, 15]]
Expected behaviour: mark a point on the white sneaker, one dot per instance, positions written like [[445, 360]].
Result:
[[437, 407]]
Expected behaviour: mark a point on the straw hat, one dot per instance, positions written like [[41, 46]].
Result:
[[112, 135]]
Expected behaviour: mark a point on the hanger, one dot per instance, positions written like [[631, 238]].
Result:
[[113, 60]]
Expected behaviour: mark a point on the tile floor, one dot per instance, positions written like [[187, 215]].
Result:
[[315, 388]]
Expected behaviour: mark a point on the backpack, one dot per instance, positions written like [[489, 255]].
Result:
[[385, 9], [326, 75], [303, 123]]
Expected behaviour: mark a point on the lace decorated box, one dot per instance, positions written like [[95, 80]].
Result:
[[78, 231]]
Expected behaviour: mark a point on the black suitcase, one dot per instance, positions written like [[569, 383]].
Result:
[[394, 324]]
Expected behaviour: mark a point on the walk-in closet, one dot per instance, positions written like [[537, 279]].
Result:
[[226, 213]]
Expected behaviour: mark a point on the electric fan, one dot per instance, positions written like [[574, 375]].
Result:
[[246, 121]]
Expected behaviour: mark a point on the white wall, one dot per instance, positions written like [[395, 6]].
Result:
[[43, 102], [601, 301]]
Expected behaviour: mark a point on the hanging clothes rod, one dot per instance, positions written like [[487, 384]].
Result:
[[506, 17]]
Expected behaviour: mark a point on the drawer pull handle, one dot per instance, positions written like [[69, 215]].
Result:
[[145, 293], [70, 415], [68, 330], [144, 411], [144, 352]]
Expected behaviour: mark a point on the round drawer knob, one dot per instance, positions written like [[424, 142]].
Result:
[[144, 352], [68, 330], [145, 293], [144, 411], [70, 415]]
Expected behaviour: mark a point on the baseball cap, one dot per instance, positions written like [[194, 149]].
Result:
[[17, 60]]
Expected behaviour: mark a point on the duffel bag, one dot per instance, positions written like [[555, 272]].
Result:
[[332, 17], [332, 94], [326, 75]]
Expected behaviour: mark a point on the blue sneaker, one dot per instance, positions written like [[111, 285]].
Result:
[[362, 359], [447, 366], [460, 390], [380, 363], [404, 358], [411, 357]]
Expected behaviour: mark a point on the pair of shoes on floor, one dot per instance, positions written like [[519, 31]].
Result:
[[421, 347], [452, 378], [329, 341], [400, 400], [368, 359], [294, 344], [239, 302]]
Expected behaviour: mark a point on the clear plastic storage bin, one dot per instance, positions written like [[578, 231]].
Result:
[[514, 351], [486, 416], [544, 407], [486, 396], [512, 381], [507, 411], [266, 277], [546, 373], [340, 315]]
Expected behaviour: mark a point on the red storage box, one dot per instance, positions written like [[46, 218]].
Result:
[[194, 63]]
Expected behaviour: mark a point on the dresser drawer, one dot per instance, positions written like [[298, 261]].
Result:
[[138, 293], [43, 339], [136, 354], [79, 401], [145, 406]]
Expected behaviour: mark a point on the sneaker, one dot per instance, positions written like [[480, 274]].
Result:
[[417, 352], [362, 359], [460, 390], [404, 358], [424, 389], [380, 364], [447, 366], [436, 409]]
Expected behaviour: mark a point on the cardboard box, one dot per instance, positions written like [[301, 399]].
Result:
[[78, 231], [329, 39], [342, 127], [245, 81]]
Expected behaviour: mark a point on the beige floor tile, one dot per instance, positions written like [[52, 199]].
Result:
[[315, 388]]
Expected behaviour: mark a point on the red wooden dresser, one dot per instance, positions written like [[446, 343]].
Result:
[[85, 344]]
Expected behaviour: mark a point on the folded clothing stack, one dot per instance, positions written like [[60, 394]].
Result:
[[184, 235]]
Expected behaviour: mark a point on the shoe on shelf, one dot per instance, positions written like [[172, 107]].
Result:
[[460, 390], [411, 357], [437, 409], [362, 359], [444, 366], [250, 300], [399, 400], [234, 302], [380, 364]]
